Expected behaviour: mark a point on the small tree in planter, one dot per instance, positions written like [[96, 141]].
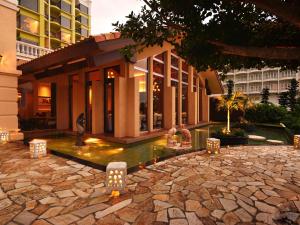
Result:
[[235, 101], [283, 99]]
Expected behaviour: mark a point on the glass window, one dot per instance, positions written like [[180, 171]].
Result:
[[175, 84], [174, 74], [65, 7], [83, 20], [83, 8], [28, 41], [184, 104], [65, 22], [30, 4], [185, 67], [158, 100], [28, 24], [66, 37], [174, 61], [141, 72], [195, 83], [160, 57], [185, 77]]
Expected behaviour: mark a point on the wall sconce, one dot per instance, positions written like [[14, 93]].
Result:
[[4, 136], [115, 178], [38, 148]]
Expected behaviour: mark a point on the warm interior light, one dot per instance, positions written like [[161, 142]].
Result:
[[142, 86], [90, 95], [92, 141]]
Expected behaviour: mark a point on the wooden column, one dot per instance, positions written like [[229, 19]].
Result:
[[62, 106], [192, 98], [180, 92], [98, 105]]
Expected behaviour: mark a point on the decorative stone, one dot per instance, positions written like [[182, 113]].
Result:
[[256, 137], [4, 136], [213, 145], [296, 141], [275, 142], [38, 148], [115, 176]]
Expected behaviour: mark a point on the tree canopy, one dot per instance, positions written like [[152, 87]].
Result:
[[220, 34]]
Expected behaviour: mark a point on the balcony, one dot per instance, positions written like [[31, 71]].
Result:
[[28, 52]]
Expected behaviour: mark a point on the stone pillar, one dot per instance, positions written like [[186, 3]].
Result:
[[192, 99], [8, 72], [132, 109], [150, 95], [169, 95], [180, 92]]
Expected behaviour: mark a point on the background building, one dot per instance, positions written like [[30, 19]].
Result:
[[252, 81], [44, 25]]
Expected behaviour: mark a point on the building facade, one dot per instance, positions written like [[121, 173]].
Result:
[[156, 91], [252, 81], [44, 25], [8, 73]]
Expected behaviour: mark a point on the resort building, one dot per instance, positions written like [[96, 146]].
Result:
[[8, 73], [153, 91], [44, 25], [252, 81]]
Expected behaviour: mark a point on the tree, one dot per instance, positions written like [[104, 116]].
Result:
[[220, 34], [292, 94], [230, 103], [283, 99], [230, 86], [265, 96]]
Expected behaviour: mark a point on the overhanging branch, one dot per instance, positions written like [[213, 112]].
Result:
[[279, 53]]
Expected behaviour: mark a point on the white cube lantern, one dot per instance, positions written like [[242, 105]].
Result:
[[4, 136], [213, 145], [38, 148], [296, 141], [115, 177]]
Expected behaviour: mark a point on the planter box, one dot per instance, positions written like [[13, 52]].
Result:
[[232, 140]]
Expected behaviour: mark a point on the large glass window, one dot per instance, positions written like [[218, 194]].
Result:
[[28, 24], [65, 22], [158, 87], [65, 6], [141, 72], [83, 20], [83, 8], [30, 4]]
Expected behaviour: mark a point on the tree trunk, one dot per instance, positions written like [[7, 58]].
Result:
[[228, 121]]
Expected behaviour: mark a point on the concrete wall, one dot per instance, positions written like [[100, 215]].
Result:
[[8, 73]]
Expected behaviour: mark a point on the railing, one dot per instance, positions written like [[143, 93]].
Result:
[[27, 51]]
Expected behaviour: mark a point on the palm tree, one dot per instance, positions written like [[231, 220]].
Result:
[[236, 101]]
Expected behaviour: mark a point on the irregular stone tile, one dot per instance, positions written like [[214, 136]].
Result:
[[5, 203], [89, 220], [247, 207], [162, 216], [243, 215], [218, 213], [228, 205], [63, 219], [175, 213], [48, 200], [65, 193], [193, 219], [160, 205], [265, 207], [128, 214], [178, 222], [25, 218], [230, 218], [41, 222], [52, 212], [162, 197], [192, 205], [113, 208]]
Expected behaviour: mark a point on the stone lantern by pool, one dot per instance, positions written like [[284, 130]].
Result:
[[4, 136], [213, 145], [115, 178], [38, 148], [296, 141]]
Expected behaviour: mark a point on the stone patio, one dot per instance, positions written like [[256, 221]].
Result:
[[242, 185]]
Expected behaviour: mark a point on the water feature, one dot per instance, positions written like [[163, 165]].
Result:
[[102, 152]]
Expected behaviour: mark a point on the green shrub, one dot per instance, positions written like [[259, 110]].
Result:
[[292, 120], [234, 133], [265, 113]]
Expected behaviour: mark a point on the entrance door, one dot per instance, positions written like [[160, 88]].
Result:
[[108, 104]]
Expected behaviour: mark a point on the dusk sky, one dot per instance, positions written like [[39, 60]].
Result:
[[106, 12]]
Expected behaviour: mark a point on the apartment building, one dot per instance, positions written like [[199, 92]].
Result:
[[46, 25], [252, 81]]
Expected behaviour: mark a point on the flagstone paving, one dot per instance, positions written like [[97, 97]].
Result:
[[242, 185]]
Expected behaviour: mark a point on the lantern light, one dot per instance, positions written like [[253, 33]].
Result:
[[213, 145], [38, 148], [296, 141], [4, 136], [115, 178]]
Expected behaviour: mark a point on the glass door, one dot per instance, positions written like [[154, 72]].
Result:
[[108, 102]]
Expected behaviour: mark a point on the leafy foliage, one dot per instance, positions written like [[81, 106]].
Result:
[[292, 93], [230, 86], [283, 99], [265, 113], [218, 34], [265, 96]]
